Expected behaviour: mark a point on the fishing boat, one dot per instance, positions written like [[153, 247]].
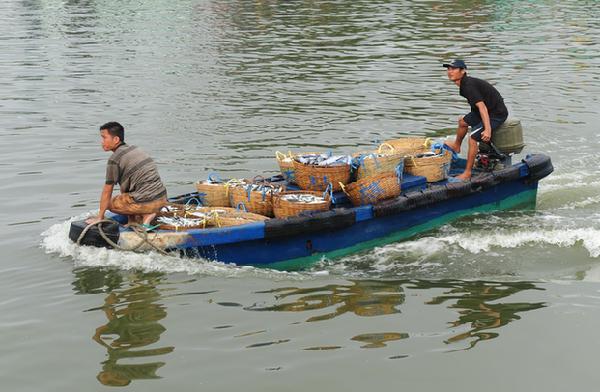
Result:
[[298, 242]]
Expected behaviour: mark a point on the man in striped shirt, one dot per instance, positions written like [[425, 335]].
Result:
[[142, 191]]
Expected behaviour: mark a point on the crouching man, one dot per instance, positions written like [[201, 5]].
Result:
[[142, 192]]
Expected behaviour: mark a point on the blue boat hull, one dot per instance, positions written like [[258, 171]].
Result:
[[301, 251]]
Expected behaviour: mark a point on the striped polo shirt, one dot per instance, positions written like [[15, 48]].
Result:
[[136, 174]]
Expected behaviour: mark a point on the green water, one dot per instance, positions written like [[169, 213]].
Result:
[[495, 302]]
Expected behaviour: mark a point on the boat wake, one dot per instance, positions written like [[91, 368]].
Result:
[[508, 245]]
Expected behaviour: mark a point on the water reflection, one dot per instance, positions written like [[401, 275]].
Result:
[[133, 312], [477, 306], [378, 340], [363, 298], [476, 303]]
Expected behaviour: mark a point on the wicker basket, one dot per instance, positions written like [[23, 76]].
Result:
[[434, 168], [410, 145], [214, 191], [213, 195], [318, 178], [258, 202], [371, 190], [284, 208], [380, 162]]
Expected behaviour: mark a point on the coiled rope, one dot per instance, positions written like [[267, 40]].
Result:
[[136, 228]]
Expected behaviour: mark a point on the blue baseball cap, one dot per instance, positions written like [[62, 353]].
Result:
[[456, 64]]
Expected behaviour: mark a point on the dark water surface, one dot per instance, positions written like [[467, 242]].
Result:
[[503, 302]]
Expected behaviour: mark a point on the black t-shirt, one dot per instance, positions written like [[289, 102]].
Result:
[[477, 90]]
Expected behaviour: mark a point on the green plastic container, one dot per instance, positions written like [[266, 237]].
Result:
[[509, 137]]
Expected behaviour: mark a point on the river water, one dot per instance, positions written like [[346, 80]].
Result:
[[503, 302]]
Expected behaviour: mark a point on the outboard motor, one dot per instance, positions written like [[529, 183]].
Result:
[[506, 141]]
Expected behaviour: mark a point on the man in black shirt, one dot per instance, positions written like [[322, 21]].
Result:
[[488, 112]]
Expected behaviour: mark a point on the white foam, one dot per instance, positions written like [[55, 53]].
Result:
[[477, 242], [589, 201], [574, 184], [56, 240]]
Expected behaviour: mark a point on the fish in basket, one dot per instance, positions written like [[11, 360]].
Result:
[[316, 172], [185, 217], [294, 203]]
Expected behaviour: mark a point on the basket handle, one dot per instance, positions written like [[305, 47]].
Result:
[[280, 156], [388, 145], [198, 202], [427, 142], [400, 171], [344, 189], [214, 177], [249, 191], [216, 218], [412, 158], [329, 191], [258, 178]]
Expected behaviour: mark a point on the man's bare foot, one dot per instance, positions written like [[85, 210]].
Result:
[[148, 218], [464, 176], [454, 146]]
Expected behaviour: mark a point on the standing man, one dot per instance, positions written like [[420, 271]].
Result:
[[488, 112], [142, 192]]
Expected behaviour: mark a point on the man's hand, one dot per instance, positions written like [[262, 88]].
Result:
[[486, 136]]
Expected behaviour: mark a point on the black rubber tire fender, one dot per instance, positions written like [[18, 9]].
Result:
[[507, 174], [321, 221], [539, 165], [93, 237]]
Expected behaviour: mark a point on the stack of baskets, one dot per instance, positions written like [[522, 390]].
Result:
[[378, 176]]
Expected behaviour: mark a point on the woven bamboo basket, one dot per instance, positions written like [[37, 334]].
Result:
[[409, 145], [258, 202], [433, 168], [284, 208], [214, 194], [286, 166], [318, 178], [384, 160], [371, 190]]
